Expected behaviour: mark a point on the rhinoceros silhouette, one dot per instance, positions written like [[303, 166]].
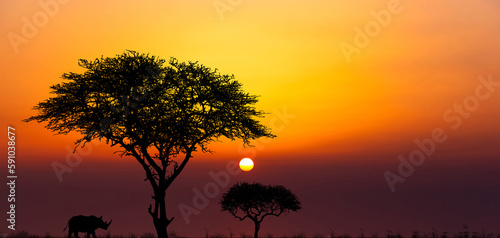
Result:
[[86, 224]]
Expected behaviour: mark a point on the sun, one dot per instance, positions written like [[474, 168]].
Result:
[[246, 164]]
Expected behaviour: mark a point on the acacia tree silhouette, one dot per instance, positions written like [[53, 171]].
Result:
[[158, 114], [256, 201]]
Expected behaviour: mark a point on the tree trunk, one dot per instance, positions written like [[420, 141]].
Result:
[[161, 222], [160, 185], [257, 228], [161, 229]]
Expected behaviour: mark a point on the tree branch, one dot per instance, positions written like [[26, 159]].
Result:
[[136, 155], [272, 214], [150, 160], [179, 169]]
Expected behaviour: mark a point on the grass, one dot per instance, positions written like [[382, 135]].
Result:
[[434, 233]]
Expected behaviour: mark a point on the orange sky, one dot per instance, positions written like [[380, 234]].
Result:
[[427, 58]]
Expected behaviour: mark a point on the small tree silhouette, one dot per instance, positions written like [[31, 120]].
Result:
[[159, 114], [256, 201]]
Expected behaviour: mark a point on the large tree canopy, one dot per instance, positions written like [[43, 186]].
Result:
[[256, 201], [155, 112]]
